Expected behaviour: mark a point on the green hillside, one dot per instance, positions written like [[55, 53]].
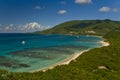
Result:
[[93, 27]]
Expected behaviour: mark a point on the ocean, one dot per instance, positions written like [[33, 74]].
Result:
[[30, 52]]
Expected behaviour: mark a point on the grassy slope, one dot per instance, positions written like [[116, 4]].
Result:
[[101, 27], [85, 67]]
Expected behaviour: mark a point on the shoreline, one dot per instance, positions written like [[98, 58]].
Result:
[[64, 62], [104, 43], [71, 58]]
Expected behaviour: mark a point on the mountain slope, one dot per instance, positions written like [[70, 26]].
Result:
[[93, 27]]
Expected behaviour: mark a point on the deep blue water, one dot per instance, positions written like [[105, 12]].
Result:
[[40, 51]]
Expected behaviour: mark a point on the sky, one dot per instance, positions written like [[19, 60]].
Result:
[[33, 15]]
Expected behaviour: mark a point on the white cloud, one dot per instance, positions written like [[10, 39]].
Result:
[[9, 28], [0, 27], [32, 27], [39, 7], [28, 27], [62, 12], [104, 9], [108, 9], [11, 25], [115, 10], [83, 1]]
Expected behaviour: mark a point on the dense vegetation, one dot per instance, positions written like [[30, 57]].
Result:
[[97, 64], [93, 27]]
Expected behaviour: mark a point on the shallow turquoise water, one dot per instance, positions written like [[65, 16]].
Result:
[[29, 52]]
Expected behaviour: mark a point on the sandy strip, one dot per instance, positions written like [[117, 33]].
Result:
[[64, 62], [104, 43], [72, 57], [69, 59]]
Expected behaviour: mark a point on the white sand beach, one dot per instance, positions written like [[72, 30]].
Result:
[[71, 58], [64, 62], [104, 43]]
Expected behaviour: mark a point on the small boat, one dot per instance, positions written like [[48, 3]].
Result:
[[23, 42]]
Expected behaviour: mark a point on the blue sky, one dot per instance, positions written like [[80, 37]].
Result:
[[17, 15]]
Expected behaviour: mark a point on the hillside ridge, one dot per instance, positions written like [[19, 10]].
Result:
[[76, 27]]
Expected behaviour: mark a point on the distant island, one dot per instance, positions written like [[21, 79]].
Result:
[[96, 64]]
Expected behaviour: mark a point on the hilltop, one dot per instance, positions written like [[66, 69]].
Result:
[[91, 27]]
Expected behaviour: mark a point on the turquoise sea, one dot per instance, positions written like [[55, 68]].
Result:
[[29, 52]]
